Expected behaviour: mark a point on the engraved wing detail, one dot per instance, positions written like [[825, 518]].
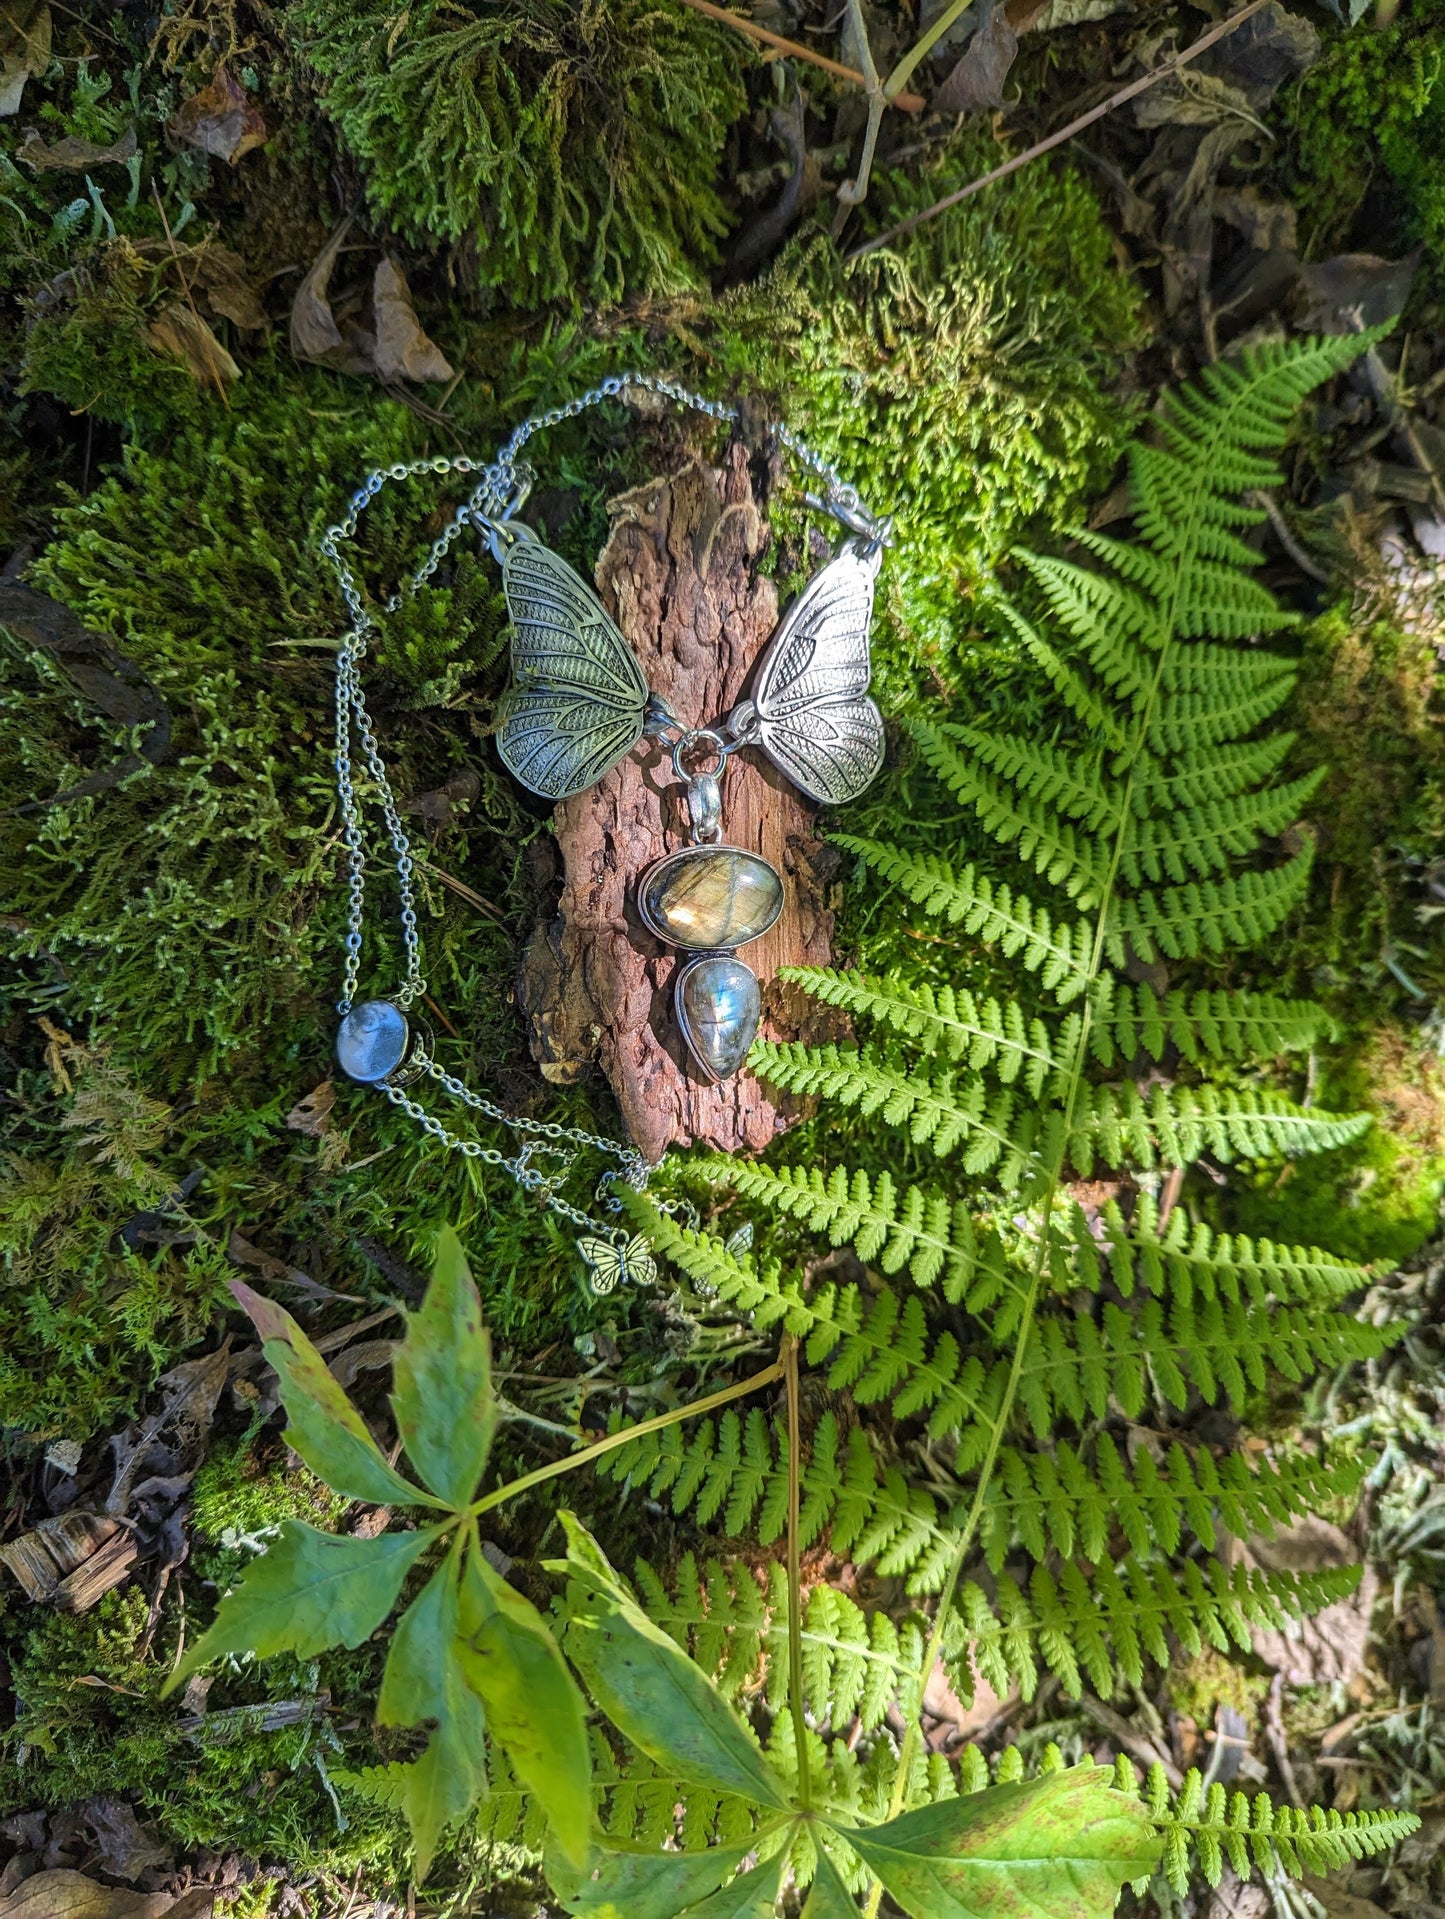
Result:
[[577, 698], [815, 719]]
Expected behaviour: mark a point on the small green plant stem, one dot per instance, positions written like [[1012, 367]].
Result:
[[921, 47], [789, 1363], [767, 1377], [1051, 1185]]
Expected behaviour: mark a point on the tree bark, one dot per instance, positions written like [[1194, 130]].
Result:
[[679, 575]]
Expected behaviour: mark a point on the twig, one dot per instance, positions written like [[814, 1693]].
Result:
[[463, 891], [1278, 1745], [1258, 497], [854, 192], [909, 102], [1124, 94], [1133, 1742], [203, 330]]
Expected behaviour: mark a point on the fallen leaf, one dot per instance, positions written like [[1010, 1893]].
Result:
[[976, 83], [74, 155], [24, 49], [315, 336], [443, 803], [222, 277], [220, 120], [366, 1356], [1077, 13], [182, 335], [70, 1895], [170, 1438], [1354, 290], [1272, 46], [126, 1851], [1339, 1904], [277, 1273], [402, 351], [1234, 1898], [312, 1115], [1264, 223], [1328, 1645], [1192, 99]]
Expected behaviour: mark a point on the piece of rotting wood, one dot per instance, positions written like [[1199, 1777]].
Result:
[[680, 576]]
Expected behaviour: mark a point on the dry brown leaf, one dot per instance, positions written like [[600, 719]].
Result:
[[1264, 223], [70, 1895], [1339, 1904], [1330, 1644], [976, 83], [126, 1849], [403, 351], [312, 1115], [315, 336], [366, 1356], [74, 155], [277, 1273], [24, 49], [222, 277], [182, 335], [220, 120]]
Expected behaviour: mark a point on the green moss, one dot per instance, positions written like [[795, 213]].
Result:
[[1208, 1679], [1369, 132], [968, 379], [571, 150], [235, 1496]]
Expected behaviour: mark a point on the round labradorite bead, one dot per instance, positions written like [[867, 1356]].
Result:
[[717, 1008], [372, 1041], [711, 896]]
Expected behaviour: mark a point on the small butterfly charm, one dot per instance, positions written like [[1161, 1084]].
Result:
[[611, 1264]]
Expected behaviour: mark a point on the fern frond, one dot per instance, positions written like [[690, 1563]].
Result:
[[1094, 713], [1118, 630], [1058, 952], [1214, 1826], [1077, 1369], [1099, 1623], [941, 1111], [1217, 772], [1208, 916], [979, 1033], [1206, 838], [1051, 846], [1068, 1503], [1191, 1263], [1117, 1125], [1047, 774], [1217, 695], [1128, 1020], [929, 1234]]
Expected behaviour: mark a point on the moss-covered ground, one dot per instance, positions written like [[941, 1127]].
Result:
[[561, 186]]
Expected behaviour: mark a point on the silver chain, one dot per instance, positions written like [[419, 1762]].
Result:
[[502, 482]]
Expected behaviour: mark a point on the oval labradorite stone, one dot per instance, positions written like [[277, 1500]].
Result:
[[711, 896], [717, 1008]]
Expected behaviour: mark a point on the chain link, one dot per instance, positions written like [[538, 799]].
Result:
[[502, 482]]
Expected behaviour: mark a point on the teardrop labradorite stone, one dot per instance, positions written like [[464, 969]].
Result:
[[717, 1008], [711, 896]]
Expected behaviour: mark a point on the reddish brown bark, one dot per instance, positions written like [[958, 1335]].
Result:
[[679, 574]]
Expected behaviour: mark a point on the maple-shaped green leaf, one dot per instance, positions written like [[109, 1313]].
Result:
[[325, 1429], [534, 1708], [307, 1591], [642, 1882], [828, 1896], [1060, 1847], [442, 1380], [649, 1688]]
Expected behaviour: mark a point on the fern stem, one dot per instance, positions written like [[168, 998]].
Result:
[[1143, 719], [789, 1361], [625, 1435]]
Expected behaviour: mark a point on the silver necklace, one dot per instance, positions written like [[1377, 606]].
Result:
[[578, 704]]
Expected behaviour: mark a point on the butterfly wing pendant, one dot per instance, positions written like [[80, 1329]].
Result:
[[611, 1263], [577, 700], [814, 719]]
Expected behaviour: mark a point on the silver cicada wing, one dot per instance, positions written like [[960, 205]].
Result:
[[577, 698], [815, 719]]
